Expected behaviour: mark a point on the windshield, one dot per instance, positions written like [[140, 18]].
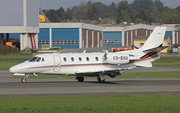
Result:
[[33, 59], [36, 59]]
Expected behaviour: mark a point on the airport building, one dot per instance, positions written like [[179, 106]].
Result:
[[70, 35], [82, 35]]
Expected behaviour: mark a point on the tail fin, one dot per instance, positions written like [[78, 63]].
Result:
[[155, 39]]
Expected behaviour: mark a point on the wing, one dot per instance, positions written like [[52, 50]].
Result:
[[111, 73]]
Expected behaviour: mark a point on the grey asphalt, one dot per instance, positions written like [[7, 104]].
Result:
[[70, 87], [13, 87]]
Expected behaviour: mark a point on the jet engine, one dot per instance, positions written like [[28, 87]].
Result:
[[115, 58]]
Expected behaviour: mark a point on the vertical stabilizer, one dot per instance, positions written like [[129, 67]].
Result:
[[155, 39]]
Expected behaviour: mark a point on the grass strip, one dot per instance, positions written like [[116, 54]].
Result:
[[5, 65], [20, 55], [92, 104]]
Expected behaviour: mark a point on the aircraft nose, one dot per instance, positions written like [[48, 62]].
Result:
[[13, 69]]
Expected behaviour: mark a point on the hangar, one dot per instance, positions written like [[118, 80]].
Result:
[[70, 35], [127, 33]]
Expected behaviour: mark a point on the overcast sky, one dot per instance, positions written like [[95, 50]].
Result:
[[56, 4]]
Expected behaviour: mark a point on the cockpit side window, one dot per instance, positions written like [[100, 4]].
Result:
[[33, 59], [42, 59], [38, 59]]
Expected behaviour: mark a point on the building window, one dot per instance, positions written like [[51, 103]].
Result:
[[43, 42], [141, 44], [64, 42], [112, 41]]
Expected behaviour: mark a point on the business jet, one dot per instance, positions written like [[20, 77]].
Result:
[[96, 64]]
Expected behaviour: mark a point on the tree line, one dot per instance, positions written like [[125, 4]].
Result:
[[139, 11]]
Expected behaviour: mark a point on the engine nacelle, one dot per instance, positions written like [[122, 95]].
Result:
[[115, 58]]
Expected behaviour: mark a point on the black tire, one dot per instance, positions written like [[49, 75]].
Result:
[[80, 79], [99, 80], [23, 80]]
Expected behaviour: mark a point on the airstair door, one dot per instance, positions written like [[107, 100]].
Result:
[[57, 63]]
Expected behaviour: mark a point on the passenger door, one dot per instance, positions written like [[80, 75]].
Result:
[[57, 63]]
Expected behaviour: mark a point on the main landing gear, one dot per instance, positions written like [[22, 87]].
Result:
[[24, 80], [80, 79], [100, 79]]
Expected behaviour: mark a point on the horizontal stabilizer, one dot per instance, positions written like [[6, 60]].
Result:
[[141, 64]]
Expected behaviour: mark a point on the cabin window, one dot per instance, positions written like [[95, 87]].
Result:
[[72, 59], [87, 58], [96, 58], [80, 59], [64, 59], [38, 59], [33, 59]]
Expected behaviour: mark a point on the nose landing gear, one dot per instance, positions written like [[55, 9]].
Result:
[[24, 80]]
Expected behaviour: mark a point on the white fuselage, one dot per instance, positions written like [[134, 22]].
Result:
[[68, 63]]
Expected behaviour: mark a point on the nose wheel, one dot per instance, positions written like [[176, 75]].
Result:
[[24, 80]]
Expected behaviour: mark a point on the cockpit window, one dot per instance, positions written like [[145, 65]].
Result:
[[38, 59], [33, 59]]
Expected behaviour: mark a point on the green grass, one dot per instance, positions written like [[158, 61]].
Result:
[[20, 55], [92, 104], [5, 65], [168, 60]]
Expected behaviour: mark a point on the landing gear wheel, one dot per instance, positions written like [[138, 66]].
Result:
[[100, 81], [23, 80], [80, 79]]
